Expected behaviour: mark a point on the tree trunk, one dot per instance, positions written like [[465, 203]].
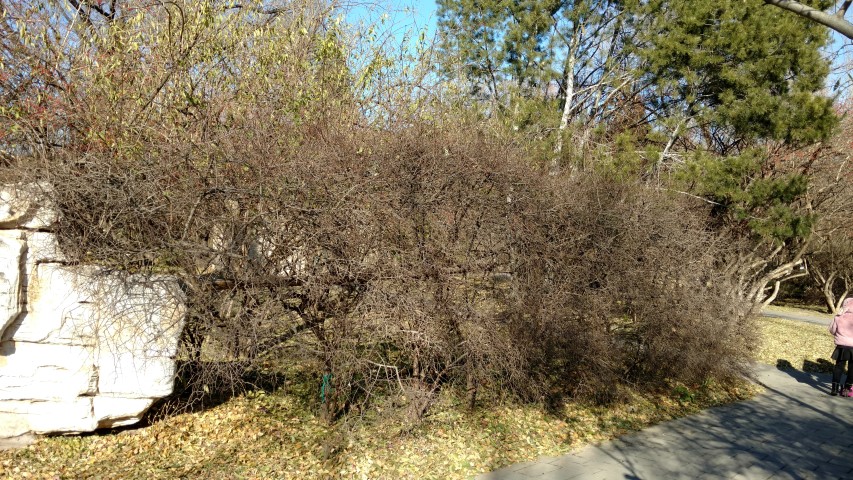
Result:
[[569, 103], [783, 272], [570, 94], [828, 295], [773, 295], [840, 300], [471, 399]]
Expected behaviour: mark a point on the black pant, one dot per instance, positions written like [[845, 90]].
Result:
[[843, 356], [839, 369]]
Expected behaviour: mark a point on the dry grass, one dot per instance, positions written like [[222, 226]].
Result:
[[277, 436], [793, 344]]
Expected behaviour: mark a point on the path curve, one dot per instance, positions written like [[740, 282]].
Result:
[[794, 430], [800, 315]]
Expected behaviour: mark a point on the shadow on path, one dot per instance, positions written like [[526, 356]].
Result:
[[818, 381], [792, 430]]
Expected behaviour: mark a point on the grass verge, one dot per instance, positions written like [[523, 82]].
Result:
[[263, 435], [798, 345], [277, 435]]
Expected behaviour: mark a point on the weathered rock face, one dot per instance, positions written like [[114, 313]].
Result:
[[81, 347]]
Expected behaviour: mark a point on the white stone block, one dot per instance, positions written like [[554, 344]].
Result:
[[59, 309], [71, 415], [82, 347], [130, 375], [33, 371], [26, 206], [140, 320], [117, 411], [43, 247], [11, 278], [13, 423], [13, 207]]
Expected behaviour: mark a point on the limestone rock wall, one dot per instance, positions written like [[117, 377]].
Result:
[[81, 347]]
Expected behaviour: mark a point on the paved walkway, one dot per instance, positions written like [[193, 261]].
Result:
[[801, 315], [794, 430]]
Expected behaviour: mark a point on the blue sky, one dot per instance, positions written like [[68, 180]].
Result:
[[411, 16], [402, 15], [424, 13], [840, 72]]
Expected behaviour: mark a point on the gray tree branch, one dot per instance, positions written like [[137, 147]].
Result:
[[843, 10], [835, 22]]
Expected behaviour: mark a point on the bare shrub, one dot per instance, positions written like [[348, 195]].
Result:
[[429, 259], [390, 259], [625, 284]]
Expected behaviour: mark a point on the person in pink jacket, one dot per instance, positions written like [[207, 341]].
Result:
[[842, 328]]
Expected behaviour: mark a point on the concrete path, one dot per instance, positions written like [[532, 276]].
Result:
[[794, 430], [801, 315]]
